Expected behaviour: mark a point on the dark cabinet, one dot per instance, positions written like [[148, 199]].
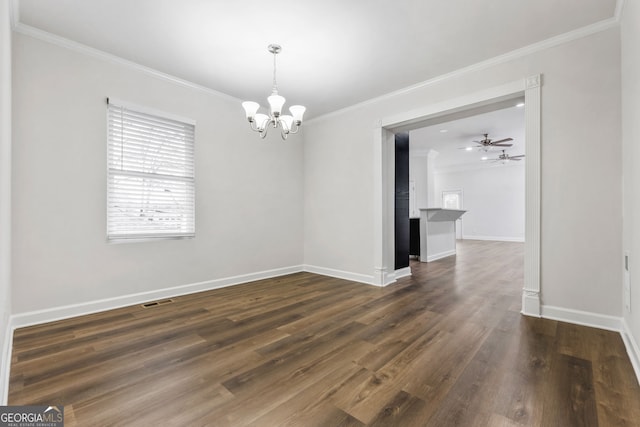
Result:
[[402, 201], [414, 236]]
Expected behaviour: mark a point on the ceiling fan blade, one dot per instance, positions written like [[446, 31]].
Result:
[[502, 140], [517, 157], [502, 145], [513, 158]]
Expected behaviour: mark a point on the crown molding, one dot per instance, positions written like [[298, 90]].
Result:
[[104, 56], [17, 26], [496, 60]]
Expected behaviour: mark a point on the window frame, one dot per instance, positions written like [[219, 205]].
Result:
[[148, 180]]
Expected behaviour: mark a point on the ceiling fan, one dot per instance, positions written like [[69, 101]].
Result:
[[487, 142], [504, 157]]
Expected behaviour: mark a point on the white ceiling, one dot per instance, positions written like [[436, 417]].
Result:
[[460, 133], [336, 53]]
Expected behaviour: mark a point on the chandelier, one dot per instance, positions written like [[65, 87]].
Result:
[[261, 122]]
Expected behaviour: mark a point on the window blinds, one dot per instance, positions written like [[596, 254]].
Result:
[[151, 179]]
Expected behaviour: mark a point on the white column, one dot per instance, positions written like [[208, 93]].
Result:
[[531, 300], [5, 196]]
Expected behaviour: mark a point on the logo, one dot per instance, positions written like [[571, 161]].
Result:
[[31, 416]]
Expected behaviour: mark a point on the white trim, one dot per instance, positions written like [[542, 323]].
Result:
[[99, 54], [65, 312], [497, 60], [633, 350], [5, 369], [383, 162], [532, 195], [14, 13], [531, 86], [487, 96], [117, 102], [560, 39], [8, 13], [340, 274], [530, 303], [402, 272], [595, 320], [584, 318], [600, 321], [494, 238], [440, 255], [619, 10]]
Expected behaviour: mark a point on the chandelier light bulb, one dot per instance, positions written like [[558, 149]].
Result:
[[276, 102], [297, 111], [287, 122], [260, 123], [250, 109]]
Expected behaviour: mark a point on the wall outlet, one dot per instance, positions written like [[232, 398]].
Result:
[[626, 292]]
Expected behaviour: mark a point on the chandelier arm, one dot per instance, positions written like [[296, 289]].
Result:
[[283, 126], [263, 132], [254, 127], [294, 129]]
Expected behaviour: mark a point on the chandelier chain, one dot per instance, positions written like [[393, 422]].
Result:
[[275, 84]]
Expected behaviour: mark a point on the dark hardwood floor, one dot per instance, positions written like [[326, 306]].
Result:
[[446, 347]]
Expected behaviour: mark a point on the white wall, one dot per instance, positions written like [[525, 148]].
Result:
[[248, 191], [581, 195], [5, 194], [631, 159], [422, 171], [419, 174], [493, 198]]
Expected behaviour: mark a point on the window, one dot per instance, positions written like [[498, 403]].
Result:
[[151, 179]]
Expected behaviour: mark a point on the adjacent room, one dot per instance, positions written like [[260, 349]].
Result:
[[202, 222], [453, 164]]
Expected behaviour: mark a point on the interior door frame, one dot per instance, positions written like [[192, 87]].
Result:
[[383, 138]]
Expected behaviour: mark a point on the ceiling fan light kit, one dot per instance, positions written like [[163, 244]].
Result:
[[261, 123], [506, 158], [486, 143]]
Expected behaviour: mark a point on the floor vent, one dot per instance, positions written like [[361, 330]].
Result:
[[157, 303]]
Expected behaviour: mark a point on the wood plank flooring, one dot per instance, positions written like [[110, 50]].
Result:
[[445, 347]]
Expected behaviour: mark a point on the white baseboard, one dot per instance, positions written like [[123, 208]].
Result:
[[595, 320], [494, 238], [340, 274], [402, 272], [5, 368], [440, 255], [600, 321], [584, 318], [530, 303], [65, 312], [633, 350]]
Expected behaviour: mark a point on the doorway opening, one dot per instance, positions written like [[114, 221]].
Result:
[[472, 104]]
